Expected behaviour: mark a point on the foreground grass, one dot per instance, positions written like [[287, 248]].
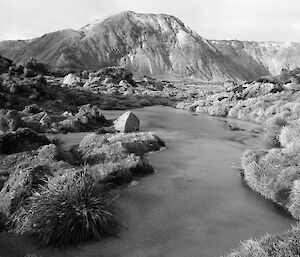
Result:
[[283, 245], [67, 211]]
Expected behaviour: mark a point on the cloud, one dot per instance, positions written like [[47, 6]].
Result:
[[271, 20]]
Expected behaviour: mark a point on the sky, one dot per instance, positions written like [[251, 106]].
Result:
[[252, 20]]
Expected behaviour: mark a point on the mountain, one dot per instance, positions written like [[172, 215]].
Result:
[[154, 45]]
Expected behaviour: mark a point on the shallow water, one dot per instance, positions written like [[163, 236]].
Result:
[[194, 205]]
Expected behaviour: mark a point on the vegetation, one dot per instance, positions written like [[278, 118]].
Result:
[[274, 173], [283, 245], [70, 212]]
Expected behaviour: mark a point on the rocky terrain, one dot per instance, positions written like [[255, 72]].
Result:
[[38, 104], [160, 46], [117, 64], [39, 175]]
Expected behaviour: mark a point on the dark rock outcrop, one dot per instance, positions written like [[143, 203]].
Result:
[[5, 64], [23, 139]]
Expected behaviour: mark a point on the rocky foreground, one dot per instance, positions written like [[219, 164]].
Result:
[[64, 195]]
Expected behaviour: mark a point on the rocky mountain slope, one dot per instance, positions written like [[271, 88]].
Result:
[[155, 45]]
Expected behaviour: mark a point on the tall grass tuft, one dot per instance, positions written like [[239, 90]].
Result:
[[68, 213]]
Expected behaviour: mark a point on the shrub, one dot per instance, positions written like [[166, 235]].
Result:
[[295, 200], [28, 73], [70, 212], [35, 66], [250, 248], [272, 128], [24, 139], [290, 135]]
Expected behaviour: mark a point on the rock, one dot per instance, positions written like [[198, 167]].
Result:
[[41, 79], [90, 116], [24, 139], [85, 74], [35, 121], [93, 82], [67, 114], [5, 64], [127, 122], [99, 148], [28, 73], [31, 109], [125, 83], [48, 152], [159, 85], [182, 105], [200, 109], [72, 80], [45, 122], [19, 186], [34, 97], [108, 80], [10, 120]]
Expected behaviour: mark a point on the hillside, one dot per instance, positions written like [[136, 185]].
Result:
[[155, 45]]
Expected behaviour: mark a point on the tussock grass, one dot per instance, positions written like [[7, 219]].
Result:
[[67, 213], [283, 245]]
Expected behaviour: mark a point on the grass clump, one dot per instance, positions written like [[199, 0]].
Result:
[[289, 136], [284, 245], [67, 213], [272, 129]]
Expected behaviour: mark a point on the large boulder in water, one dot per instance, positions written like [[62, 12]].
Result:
[[127, 122]]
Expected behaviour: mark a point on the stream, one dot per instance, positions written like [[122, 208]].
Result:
[[194, 205]]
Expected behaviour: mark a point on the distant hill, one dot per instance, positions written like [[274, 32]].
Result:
[[154, 45]]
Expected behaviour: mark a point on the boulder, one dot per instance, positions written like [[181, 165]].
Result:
[[37, 121], [19, 186], [72, 80], [99, 148], [127, 122], [124, 83], [31, 109], [45, 122], [10, 120], [90, 116]]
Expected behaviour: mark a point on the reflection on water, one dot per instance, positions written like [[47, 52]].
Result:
[[194, 205]]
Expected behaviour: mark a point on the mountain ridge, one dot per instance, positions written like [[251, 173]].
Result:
[[157, 45]]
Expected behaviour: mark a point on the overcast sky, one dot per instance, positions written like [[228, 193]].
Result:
[[259, 20]]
